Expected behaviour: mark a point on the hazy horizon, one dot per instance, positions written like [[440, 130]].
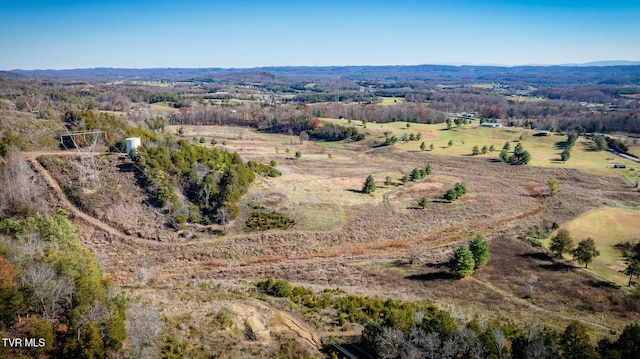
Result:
[[71, 34], [591, 63]]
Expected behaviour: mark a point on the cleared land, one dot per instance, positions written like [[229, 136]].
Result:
[[357, 242], [545, 150], [390, 101], [607, 227]]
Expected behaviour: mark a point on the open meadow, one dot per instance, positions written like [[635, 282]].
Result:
[[607, 227], [545, 150], [380, 244]]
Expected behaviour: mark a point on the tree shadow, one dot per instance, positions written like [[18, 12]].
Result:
[[494, 160], [417, 207], [359, 191], [602, 284], [540, 256], [437, 265], [435, 276], [557, 267], [561, 145], [439, 200]]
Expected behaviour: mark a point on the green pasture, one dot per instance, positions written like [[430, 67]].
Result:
[[545, 150], [607, 227]]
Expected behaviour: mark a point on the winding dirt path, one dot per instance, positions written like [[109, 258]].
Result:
[[32, 157]]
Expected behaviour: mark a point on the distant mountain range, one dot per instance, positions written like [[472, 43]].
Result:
[[607, 63], [601, 72]]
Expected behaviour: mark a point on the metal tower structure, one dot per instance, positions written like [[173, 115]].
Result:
[[85, 143]]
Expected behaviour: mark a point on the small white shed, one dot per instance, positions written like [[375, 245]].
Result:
[[132, 143]]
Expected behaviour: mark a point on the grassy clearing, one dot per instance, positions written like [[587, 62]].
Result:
[[390, 101], [607, 227], [545, 150], [163, 106]]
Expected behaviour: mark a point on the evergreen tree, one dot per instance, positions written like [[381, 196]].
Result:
[[554, 187], [561, 243], [424, 202], [431, 147], [450, 143], [485, 149], [479, 247], [475, 151], [462, 264], [575, 342], [451, 195], [504, 155], [628, 343], [585, 252], [460, 189], [423, 146], [520, 155], [507, 146], [416, 174], [369, 185], [427, 170], [601, 143], [387, 181], [633, 268]]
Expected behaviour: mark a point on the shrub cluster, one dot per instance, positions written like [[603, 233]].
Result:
[[466, 259], [477, 150], [276, 288], [262, 221], [520, 156], [390, 139], [420, 173], [412, 137], [456, 192], [263, 170]]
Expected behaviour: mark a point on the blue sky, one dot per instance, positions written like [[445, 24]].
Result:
[[64, 34]]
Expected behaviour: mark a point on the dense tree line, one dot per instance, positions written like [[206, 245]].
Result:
[[397, 329], [334, 132]]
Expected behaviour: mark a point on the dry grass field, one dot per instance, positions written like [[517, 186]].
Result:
[[359, 242]]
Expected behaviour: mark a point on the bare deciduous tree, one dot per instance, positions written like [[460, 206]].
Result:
[[50, 293], [224, 216], [143, 328]]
